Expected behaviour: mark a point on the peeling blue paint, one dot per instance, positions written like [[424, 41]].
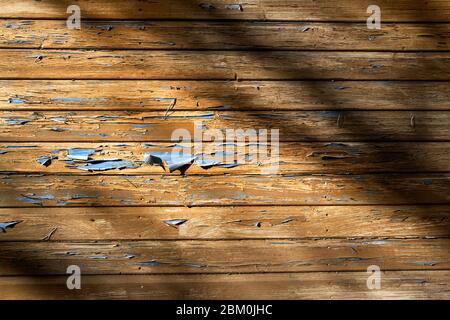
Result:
[[35, 199], [45, 161], [82, 196], [73, 99], [141, 126], [105, 165], [174, 161], [15, 101], [80, 154], [58, 119], [16, 121], [150, 263], [94, 135], [175, 222], [8, 225], [336, 145], [203, 116]]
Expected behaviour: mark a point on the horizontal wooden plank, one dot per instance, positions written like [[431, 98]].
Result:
[[161, 126], [54, 34], [147, 257], [402, 10], [225, 95], [151, 223], [36, 190], [222, 65], [294, 157], [316, 285]]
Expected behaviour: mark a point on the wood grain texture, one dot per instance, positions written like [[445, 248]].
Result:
[[213, 223], [222, 65], [364, 174], [223, 95], [54, 34], [294, 158], [147, 257], [316, 285], [125, 126], [322, 10], [38, 190]]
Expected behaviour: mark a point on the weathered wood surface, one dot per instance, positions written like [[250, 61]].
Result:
[[223, 95], [37, 190], [222, 65], [267, 222], [316, 285], [161, 126], [53, 34], [319, 10], [24, 258], [364, 173], [294, 157]]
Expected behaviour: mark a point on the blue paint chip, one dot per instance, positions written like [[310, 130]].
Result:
[[105, 165], [8, 225], [15, 101], [45, 161], [174, 161], [80, 154]]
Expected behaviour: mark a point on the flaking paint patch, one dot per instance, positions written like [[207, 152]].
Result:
[[35, 199], [15, 101], [45, 160], [150, 263], [58, 119], [94, 135], [169, 159], [175, 222], [82, 196], [202, 116], [76, 100], [16, 121], [206, 6], [141, 126], [67, 253], [80, 154], [8, 225], [105, 165], [234, 6]]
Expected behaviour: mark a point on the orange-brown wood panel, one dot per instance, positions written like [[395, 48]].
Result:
[[315, 285], [165, 125], [213, 223], [53, 34], [318, 10], [223, 95], [294, 158], [364, 159], [25, 258], [222, 65], [301, 189]]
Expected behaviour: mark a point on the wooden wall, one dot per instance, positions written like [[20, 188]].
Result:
[[364, 176]]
